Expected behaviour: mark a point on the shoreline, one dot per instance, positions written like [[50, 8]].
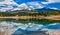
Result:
[[51, 17]]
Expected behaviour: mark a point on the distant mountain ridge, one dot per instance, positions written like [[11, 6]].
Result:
[[34, 10], [45, 10]]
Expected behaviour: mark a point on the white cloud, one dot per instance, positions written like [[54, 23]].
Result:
[[44, 2], [54, 8], [8, 2], [35, 4], [51, 1], [7, 5], [5, 9]]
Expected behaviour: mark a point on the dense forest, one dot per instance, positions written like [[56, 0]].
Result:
[[30, 13]]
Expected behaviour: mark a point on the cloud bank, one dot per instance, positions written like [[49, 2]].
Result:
[[7, 5], [51, 1]]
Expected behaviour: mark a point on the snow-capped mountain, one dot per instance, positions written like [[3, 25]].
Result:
[[11, 5], [18, 10]]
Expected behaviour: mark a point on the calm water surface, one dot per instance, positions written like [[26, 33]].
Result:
[[29, 26]]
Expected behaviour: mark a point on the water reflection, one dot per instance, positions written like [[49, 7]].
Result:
[[25, 27]]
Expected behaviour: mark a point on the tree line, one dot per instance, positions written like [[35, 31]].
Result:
[[31, 14]]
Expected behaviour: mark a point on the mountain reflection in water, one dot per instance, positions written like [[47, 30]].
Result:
[[28, 27]]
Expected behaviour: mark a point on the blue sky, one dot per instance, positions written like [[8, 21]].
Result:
[[6, 5], [25, 1]]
